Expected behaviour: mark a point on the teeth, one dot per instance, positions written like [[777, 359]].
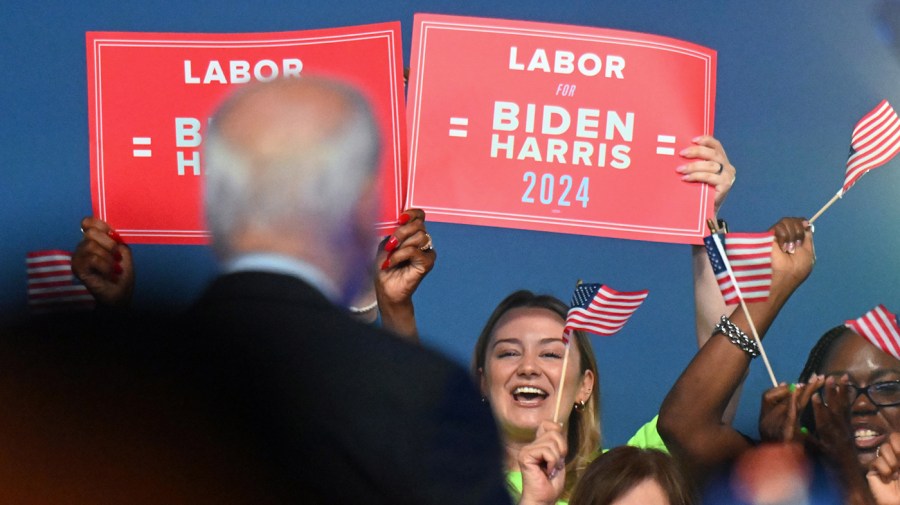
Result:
[[529, 390], [863, 433]]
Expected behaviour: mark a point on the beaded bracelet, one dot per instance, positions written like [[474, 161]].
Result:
[[363, 310], [737, 337]]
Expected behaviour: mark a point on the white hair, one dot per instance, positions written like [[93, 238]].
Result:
[[303, 183]]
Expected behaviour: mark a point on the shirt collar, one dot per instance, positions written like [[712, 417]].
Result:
[[285, 265]]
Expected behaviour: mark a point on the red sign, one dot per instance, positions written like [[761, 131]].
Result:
[[150, 96], [557, 128]]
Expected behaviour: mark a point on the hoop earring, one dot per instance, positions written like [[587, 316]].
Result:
[[579, 406]]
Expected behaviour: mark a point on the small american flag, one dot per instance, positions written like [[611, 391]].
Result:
[[51, 285], [743, 265], [875, 140], [879, 326], [602, 310]]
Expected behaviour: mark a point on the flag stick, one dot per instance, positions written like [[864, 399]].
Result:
[[562, 379], [835, 198], [762, 350], [737, 289]]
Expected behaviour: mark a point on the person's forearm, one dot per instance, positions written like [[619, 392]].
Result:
[[709, 306], [400, 319], [690, 419]]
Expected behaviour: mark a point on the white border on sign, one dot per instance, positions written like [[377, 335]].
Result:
[[99, 44], [557, 34]]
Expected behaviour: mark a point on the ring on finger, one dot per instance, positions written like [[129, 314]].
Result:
[[429, 246], [721, 168]]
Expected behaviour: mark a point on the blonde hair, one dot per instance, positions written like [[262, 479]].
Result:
[[583, 437]]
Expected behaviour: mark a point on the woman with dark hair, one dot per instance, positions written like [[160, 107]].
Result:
[[865, 375], [861, 426], [630, 475], [873, 392]]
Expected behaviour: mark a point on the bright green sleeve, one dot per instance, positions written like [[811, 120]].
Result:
[[648, 438], [514, 483]]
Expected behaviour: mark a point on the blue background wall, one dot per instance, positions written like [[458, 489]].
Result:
[[793, 78]]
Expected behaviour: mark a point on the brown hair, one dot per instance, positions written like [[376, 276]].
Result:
[[583, 437], [618, 471]]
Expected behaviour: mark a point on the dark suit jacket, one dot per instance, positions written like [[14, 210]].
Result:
[[338, 411]]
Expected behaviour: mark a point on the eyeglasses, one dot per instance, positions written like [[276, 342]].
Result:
[[881, 394]]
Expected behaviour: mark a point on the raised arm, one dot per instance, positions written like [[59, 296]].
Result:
[[690, 420], [708, 164], [404, 259]]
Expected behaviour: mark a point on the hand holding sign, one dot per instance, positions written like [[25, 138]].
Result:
[[709, 164], [566, 129], [103, 263], [149, 99]]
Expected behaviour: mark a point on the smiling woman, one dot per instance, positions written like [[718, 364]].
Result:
[[518, 360], [875, 399], [523, 368]]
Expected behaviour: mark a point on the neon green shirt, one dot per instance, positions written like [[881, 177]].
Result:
[[646, 438]]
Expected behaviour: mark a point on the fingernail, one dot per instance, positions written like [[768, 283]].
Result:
[[117, 256], [117, 268], [386, 264], [404, 218], [791, 247], [685, 177], [792, 388], [784, 247], [681, 168], [556, 469], [683, 151], [804, 430], [115, 236], [697, 139], [392, 244]]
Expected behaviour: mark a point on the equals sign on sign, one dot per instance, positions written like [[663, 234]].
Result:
[[456, 122], [668, 149], [141, 141]]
